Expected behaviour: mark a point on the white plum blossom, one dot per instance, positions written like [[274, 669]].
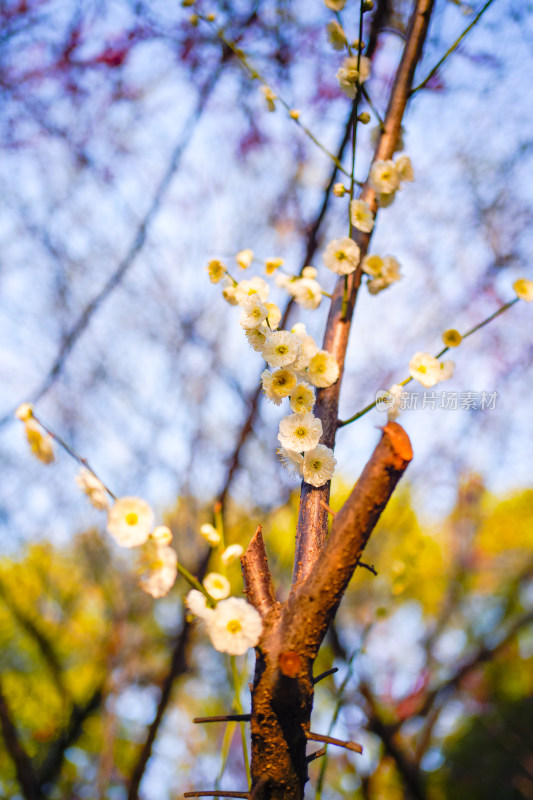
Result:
[[405, 168], [24, 412], [309, 347], [229, 293], [336, 35], [274, 315], [349, 76], [257, 337], [158, 566], [281, 349], [323, 369], [446, 370], [216, 270], [93, 488], [266, 381], [210, 534], [256, 285], [278, 384], [234, 626], [302, 398], [335, 5], [217, 585], [231, 554], [272, 264], [129, 521], [300, 432], [342, 256], [40, 443], [162, 534], [196, 602], [384, 177], [253, 312], [307, 292], [318, 465], [244, 258], [291, 460], [383, 272], [361, 216], [428, 370]]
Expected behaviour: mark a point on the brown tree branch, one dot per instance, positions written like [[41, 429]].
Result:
[[23, 765], [313, 518], [313, 604], [256, 574]]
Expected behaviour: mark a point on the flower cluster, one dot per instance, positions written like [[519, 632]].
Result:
[[354, 71], [386, 177], [296, 366], [306, 290], [130, 520], [232, 623], [382, 271]]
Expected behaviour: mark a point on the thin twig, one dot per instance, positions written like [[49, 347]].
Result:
[[319, 737], [325, 674], [316, 754], [216, 794], [224, 718], [369, 567], [451, 49]]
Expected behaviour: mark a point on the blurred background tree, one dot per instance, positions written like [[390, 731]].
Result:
[[135, 148]]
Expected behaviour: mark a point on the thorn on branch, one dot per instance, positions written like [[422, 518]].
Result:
[[319, 737], [325, 674], [225, 718], [369, 567], [327, 508], [316, 754]]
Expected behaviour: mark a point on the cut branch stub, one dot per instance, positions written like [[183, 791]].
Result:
[[257, 579]]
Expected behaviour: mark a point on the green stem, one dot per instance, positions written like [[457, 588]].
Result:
[[477, 327], [195, 583], [238, 706], [450, 50], [373, 108]]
